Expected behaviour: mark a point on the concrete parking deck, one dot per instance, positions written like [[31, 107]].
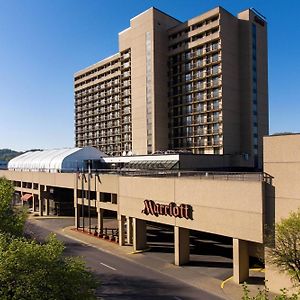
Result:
[[213, 277]]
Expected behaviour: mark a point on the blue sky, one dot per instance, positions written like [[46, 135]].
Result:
[[43, 43]]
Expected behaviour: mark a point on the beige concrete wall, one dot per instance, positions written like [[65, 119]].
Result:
[[162, 23], [230, 82], [153, 23], [64, 180], [217, 204], [282, 161], [135, 39], [227, 207]]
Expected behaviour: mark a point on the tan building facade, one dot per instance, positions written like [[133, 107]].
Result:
[[235, 205], [282, 161], [186, 202], [200, 85]]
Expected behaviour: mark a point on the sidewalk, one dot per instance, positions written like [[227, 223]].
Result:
[[189, 275]]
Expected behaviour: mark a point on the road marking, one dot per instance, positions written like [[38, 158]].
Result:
[[140, 251], [83, 242], [253, 269], [258, 270], [224, 281], [177, 298], [108, 266]]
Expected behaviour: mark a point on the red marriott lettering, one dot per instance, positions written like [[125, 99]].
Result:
[[172, 209]]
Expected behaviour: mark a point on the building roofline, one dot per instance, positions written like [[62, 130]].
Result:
[[96, 64], [282, 134], [162, 12], [154, 8]]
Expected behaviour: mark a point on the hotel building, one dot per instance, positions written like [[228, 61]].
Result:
[[236, 205], [199, 85]]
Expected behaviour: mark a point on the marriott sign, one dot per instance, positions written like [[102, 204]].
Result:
[[172, 209]]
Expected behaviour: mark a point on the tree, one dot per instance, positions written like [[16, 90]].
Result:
[[8, 154], [29, 270], [285, 255], [12, 220]]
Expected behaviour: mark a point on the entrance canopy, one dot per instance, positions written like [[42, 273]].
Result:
[[26, 197]]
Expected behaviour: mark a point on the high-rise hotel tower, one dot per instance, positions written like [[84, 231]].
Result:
[[199, 85]]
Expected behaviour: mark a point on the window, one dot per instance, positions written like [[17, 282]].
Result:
[[188, 87], [188, 120], [216, 116], [200, 96], [214, 46], [215, 57], [215, 69], [188, 76], [199, 51], [216, 128], [200, 107], [215, 93], [216, 104], [189, 98]]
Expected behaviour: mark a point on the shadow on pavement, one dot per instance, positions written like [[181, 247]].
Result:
[[120, 288], [210, 264]]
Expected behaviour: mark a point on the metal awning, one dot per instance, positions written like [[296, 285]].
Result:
[[26, 197]]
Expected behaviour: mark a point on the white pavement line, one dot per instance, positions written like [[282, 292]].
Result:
[[85, 243], [177, 298], [107, 266]]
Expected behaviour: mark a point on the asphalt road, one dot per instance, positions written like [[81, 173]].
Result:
[[120, 278]]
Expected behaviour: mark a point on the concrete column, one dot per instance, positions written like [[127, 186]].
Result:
[[76, 217], [100, 220], [121, 222], [33, 203], [46, 206], [40, 198], [240, 261], [129, 230], [181, 245], [41, 205], [139, 234]]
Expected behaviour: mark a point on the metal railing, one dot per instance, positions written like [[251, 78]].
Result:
[[240, 176], [210, 175]]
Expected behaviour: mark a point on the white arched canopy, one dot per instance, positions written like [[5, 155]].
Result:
[[57, 160]]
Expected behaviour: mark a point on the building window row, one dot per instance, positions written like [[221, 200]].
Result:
[[190, 143], [196, 119], [197, 130], [196, 108], [192, 27], [98, 77], [98, 69], [195, 52], [194, 38]]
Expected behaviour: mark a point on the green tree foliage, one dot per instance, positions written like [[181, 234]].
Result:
[[285, 255], [263, 294], [29, 270], [11, 219]]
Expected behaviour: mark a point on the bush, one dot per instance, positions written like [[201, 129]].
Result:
[[263, 294]]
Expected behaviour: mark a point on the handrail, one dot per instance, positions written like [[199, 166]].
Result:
[[215, 175]]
